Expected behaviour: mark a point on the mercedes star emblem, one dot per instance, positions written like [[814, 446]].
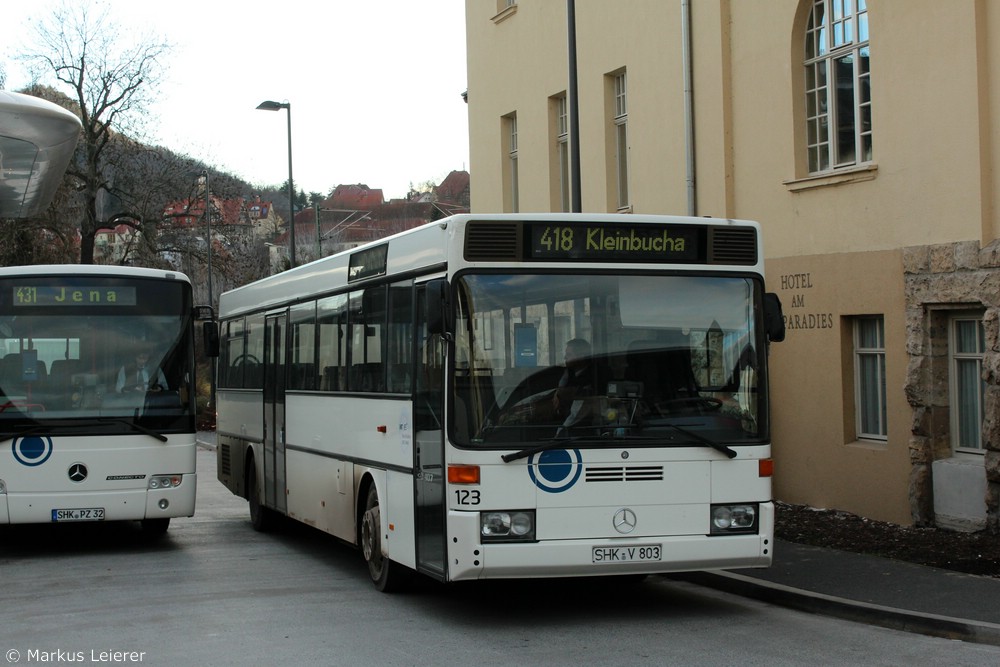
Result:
[[624, 521], [78, 472]]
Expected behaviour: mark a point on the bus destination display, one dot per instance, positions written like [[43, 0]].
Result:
[[598, 242], [73, 295]]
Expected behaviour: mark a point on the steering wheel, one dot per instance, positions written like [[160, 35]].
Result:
[[244, 359]]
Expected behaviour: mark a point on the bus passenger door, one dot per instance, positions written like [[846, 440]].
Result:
[[274, 412], [429, 433]]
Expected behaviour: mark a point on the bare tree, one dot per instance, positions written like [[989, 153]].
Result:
[[112, 79]]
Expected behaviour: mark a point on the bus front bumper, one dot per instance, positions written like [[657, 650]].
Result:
[[82, 506], [611, 556]]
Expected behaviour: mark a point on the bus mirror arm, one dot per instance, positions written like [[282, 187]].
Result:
[[210, 336], [774, 319], [438, 309]]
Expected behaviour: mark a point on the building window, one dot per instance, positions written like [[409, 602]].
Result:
[[505, 9], [966, 347], [562, 151], [869, 377], [838, 90], [621, 139], [510, 173]]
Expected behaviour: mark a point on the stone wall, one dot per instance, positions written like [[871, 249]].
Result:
[[939, 280]]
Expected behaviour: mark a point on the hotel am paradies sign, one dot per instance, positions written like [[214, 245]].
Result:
[[795, 316]]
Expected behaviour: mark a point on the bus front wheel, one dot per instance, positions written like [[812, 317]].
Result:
[[385, 574]]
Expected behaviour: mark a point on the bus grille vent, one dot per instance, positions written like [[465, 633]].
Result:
[[624, 474], [493, 242], [733, 245], [225, 460]]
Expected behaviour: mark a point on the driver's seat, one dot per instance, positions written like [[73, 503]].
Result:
[[665, 373]]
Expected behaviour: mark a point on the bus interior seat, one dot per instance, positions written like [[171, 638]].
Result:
[[16, 377], [301, 376], [665, 372], [367, 377], [62, 370], [331, 378]]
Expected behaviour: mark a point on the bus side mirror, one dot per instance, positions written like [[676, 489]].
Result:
[[774, 319], [438, 308], [210, 336]]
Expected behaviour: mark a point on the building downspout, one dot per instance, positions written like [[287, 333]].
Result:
[[692, 190]]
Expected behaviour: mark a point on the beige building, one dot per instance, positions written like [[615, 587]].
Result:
[[876, 196]]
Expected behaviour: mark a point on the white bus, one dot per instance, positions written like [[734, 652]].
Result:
[[88, 433], [412, 397]]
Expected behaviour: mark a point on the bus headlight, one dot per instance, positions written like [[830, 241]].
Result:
[[729, 519], [507, 526], [165, 481]]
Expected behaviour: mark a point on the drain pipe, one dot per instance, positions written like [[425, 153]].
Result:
[[576, 195], [692, 191]]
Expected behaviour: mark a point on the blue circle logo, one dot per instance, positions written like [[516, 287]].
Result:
[[555, 470], [32, 450]]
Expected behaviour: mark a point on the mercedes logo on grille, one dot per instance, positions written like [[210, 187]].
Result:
[[624, 521], [78, 472]]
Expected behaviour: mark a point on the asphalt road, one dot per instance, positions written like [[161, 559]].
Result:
[[214, 592]]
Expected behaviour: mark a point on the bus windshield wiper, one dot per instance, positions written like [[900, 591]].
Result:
[[528, 451], [731, 453], [36, 428], [78, 423], [20, 433], [156, 434]]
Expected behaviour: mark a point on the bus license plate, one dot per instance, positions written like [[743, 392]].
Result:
[[88, 514], [635, 552]]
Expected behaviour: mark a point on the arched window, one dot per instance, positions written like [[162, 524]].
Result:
[[838, 89]]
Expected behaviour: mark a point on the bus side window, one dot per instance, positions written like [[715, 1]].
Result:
[[302, 323], [400, 343], [253, 372], [331, 319], [368, 322], [428, 408]]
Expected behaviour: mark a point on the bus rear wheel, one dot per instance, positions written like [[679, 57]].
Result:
[[154, 527], [385, 574], [260, 516]]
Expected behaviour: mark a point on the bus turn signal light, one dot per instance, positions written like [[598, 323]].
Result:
[[765, 467], [463, 474]]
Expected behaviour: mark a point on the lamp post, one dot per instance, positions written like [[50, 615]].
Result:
[[211, 300], [319, 243], [208, 225], [287, 106]]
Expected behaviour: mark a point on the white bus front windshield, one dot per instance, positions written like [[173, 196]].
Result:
[[96, 368], [664, 359]]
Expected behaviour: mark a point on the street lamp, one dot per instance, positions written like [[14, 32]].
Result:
[[319, 243], [211, 301], [287, 106], [208, 225]]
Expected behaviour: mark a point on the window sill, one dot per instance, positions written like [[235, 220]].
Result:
[[865, 172], [968, 454], [870, 444], [505, 14]]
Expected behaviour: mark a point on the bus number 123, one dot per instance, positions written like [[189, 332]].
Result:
[[467, 496]]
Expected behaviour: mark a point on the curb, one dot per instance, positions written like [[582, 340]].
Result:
[[933, 625]]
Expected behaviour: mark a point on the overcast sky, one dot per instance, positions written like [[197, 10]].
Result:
[[375, 86]]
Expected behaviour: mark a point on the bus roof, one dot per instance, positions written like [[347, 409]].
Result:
[[420, 248], [90, 270], [37, 140]]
